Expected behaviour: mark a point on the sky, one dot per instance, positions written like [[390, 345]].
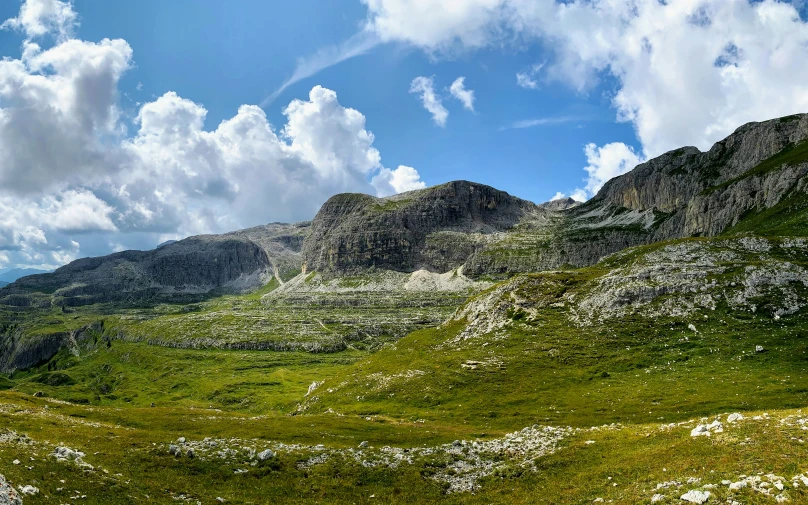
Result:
[[126, 124]]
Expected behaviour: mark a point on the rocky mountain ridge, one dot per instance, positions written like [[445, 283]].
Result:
[[682, 193]]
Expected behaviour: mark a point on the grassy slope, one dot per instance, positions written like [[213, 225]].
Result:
[[633, 370], [629, 369]]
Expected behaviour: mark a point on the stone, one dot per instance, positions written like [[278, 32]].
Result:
[[29, 490], [190, 453], [68, 454], [266, 454], [8, 495], [174, 450], [181, 440], [696, 496], [657, 498], [759, 348], [364, 444], [700, 430], [732, 418]]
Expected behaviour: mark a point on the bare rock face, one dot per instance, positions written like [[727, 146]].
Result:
[[682, 193], [434, 229]]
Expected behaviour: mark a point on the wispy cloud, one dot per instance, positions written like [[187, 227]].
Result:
[[325, 57], [544, 121], [425, 88]]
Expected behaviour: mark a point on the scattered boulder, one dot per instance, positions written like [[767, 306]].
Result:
[[364, 444], [181, 440], [8, 495], [174, 451], [67, 454], [190, 453], [734, 417], [707, 429], [29, 490], [759, 348], [696, 496], [266, 454]]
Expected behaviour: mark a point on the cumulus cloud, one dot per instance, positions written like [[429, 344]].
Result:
[[389, 182], [688, 72], [604, 163], [459, 91], [75, 182], [425, 87], [41, 17]]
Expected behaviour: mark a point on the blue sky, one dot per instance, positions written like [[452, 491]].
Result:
[[129, 123], [223, 56]]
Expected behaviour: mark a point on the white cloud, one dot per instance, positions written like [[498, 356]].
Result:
[[543, 121], [438, 26], [389, 182], [558, 196], [75, 183], [328, 56], [57, 107], [459, 91], [688, 72], [77, 211], [41, 17], [604, 163], [425, 86], [527, 78]]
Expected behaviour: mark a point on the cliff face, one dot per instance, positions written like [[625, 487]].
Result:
[[435, 228], [682, 193]]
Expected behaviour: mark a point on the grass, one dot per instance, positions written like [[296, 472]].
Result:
[[424, 389]]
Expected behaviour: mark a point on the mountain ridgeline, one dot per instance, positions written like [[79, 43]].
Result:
[[755, 173]]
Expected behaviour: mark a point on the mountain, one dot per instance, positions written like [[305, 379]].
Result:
[[232, 262], [490, 233], [11, 275]]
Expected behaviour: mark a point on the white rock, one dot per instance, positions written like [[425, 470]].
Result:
[[266, 454], [737, 485], [734, 417], [8, 495], [700, 430], [181, 440], [29, 490], [15, 462], [780, 498], [696, 496], [758, 348], [657, 497], [715, 427]]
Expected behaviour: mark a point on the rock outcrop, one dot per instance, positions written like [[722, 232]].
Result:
[[435, 229]]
